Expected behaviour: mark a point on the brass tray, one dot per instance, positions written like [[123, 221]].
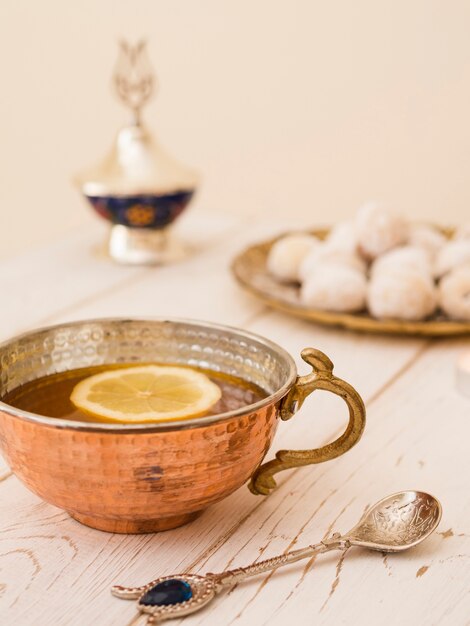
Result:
[[249, 269]]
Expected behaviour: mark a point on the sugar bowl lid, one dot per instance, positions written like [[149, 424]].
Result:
[[136, 163]]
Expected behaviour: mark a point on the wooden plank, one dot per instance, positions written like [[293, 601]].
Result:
[[199, 288], [102, 559], [75, 269], [417, 437]]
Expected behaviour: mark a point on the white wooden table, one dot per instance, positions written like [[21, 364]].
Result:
[[53, 571]]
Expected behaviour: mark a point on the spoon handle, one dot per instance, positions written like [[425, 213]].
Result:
[[230, 577]]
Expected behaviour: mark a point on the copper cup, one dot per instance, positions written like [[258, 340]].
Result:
[[151, 477]]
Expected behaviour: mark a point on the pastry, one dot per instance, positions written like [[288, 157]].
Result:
[[401, 294], [454, 293], [287, 253], [378, 231], [322, 256], [426, 237], [333, 287], [343, 238], [404, 258], [451, 255]]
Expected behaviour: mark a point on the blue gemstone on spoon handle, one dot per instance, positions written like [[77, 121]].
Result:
[[173, 591]]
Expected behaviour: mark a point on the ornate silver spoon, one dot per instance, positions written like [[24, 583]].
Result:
[[394, 524]]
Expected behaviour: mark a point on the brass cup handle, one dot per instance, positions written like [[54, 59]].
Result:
[[322, 377]]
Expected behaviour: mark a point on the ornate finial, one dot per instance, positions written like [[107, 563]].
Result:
[[134, 78]]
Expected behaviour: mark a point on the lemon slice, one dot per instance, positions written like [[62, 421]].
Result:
[[148, 393]]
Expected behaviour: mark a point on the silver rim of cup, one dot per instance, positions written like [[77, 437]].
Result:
[[251, 341]]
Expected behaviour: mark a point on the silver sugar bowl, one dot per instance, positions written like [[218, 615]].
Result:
[[139, 188]]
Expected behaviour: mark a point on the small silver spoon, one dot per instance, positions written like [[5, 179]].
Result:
[[394, 524]]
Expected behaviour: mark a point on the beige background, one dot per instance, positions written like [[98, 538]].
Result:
[[292, 107]]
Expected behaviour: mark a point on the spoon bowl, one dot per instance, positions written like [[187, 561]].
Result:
[[397, 522]]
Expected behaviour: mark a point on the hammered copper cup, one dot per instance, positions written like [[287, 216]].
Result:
[[151, 477]]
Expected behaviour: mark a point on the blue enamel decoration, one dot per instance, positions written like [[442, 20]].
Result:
[[141, 211], [172, 591]]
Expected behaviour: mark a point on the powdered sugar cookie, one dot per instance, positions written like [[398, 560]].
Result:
[[451, 255], [454, 293], [287, 253], [323, 255], [426, 237], [378, 230], [404, 258], [401, 294], [335, 288], [342, 238]]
